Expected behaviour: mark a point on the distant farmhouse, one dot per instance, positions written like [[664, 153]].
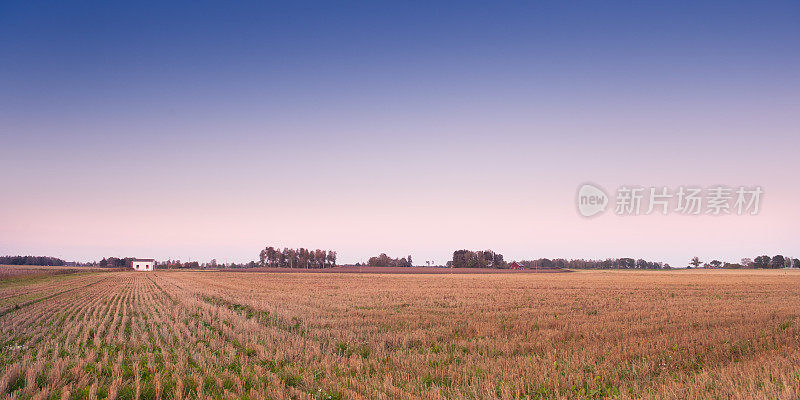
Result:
[[143, 264]]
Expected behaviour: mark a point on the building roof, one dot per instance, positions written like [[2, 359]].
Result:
[[143, 259]]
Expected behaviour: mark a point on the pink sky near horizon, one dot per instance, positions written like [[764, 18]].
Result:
[[361, 205]]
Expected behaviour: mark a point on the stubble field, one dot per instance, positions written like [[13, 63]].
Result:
[[593, 334]]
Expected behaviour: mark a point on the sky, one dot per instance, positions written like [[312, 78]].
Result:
[[207, 129]]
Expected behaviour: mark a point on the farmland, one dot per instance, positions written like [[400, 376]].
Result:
[[589, 334]]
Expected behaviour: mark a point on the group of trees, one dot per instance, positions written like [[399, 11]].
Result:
[[177, 264], [126, 262], [609, 263], [385, 261], [31, 260], [476, 259], [490, 259], [297, 258], [774, 262], [115, 262]]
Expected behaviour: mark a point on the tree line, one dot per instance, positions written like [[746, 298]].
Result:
[[306, 258], [385, 261], [608, 263], [127, 262], [774, 262], [177, 264], [31, 260], [297, 258]]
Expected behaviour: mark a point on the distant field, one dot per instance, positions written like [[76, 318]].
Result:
[[587, 334], [28, 271]]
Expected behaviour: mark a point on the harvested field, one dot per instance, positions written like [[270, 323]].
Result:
[[593, 334]]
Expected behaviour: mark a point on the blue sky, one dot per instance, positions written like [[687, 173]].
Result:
[[209, 129]]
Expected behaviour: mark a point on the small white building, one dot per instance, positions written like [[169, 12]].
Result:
[[143, 264]]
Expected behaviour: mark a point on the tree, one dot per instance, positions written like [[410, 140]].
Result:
[[319, 258], [761, 262], [498, 260], [332, 258], [303, 258], [695, 261], [410, 263], [272, 256], [747, 262], [291, 256], [778, 261], [716, 263], [459, 259]]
